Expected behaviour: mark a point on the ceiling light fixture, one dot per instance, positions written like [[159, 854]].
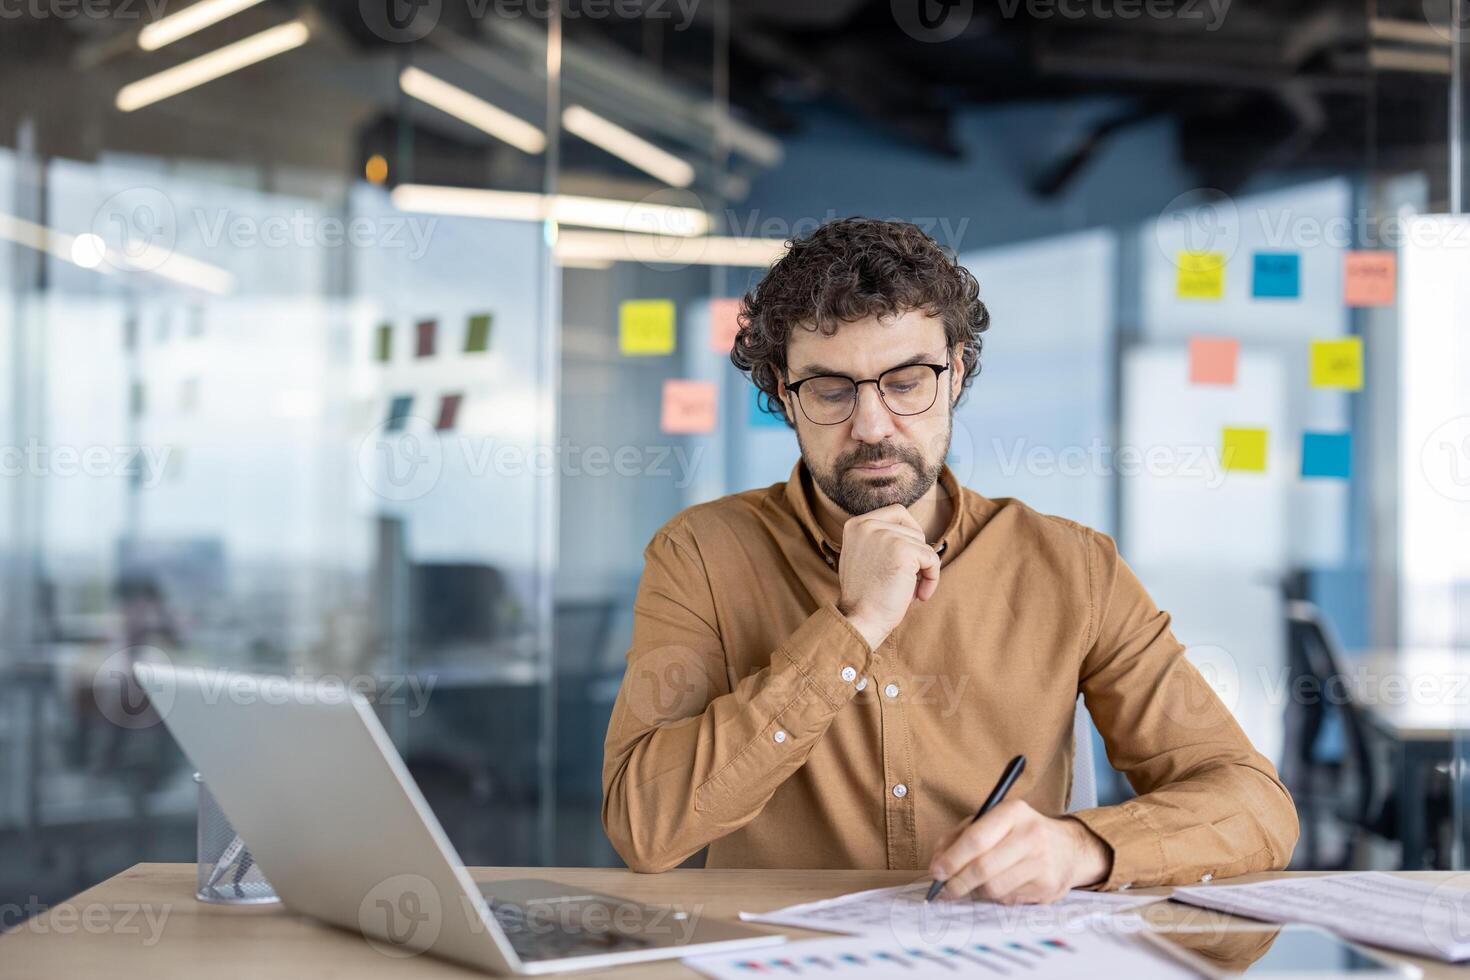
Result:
[[216, 64]]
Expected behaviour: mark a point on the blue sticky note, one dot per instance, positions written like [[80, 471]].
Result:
[[759, 418], [1277, 275], [398, 411], [1327, 454]]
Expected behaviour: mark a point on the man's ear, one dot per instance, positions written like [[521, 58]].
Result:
[[786, 402], [956, 372]]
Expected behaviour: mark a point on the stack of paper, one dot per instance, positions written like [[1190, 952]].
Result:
[[902, 911], [893, 931], [994, 953], [1374, 908]]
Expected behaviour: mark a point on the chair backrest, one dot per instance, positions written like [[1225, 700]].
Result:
[[1314, 647], [1084, 775]]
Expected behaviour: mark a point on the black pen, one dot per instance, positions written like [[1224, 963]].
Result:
[[1014, 768]]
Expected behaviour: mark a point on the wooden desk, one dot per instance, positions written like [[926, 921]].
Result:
[[1419, 700], [145, 922]]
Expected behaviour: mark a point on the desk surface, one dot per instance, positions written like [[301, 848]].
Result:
[[145, 922], [1415, 694]]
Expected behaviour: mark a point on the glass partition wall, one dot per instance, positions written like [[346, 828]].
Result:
[[260, 414]]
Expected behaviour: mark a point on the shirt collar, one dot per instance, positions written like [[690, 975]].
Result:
[[801, 496]]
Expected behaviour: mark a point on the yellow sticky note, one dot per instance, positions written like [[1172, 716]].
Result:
[[1201, 275], [1243, 449], [646, 326], [1338, 363]]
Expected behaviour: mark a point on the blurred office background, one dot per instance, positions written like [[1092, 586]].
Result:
[[378, 338]]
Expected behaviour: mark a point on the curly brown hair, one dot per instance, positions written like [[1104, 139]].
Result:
[[848, 270]]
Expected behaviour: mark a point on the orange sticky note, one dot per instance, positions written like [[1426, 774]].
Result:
[[724, 324], [689, 407], [1369, 278], [1212, 360]]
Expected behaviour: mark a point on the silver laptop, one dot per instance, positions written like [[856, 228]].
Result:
[[312, 783]]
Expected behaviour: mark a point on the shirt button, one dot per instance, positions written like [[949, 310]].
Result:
[[861, 684], [1125, 886], [780, 736], [900, 791], [891, 690], [1206, 877], [848, 674]]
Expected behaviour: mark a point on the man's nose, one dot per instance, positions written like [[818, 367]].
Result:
[[871, 421]]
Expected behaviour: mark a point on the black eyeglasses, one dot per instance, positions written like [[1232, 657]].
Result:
[[830, 399]]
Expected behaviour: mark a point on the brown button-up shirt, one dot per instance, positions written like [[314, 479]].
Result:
[[754, 719]]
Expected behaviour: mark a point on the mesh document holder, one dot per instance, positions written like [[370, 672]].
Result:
[[228, 875]]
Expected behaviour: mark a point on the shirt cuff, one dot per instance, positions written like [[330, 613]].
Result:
[[1138, 855], [830, 653]]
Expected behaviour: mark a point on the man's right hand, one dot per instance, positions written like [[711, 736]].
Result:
[[886, 564]]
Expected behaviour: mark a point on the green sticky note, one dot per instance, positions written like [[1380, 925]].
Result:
[[385, 342], [1244, 450], [477, 337], [646, 327]]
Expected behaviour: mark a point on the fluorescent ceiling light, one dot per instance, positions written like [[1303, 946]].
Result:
[[88, 251], [574, 262], [472, 109], [566, 209], [193, 18], [216, 64], [627, 146], [48, 240], [583, 246]]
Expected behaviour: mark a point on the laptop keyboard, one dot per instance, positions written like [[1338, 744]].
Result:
[[557, 930]]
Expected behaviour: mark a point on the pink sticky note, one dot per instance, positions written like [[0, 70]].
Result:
[[1369, 278], [723, 324], [1212, 360], [689, 407]]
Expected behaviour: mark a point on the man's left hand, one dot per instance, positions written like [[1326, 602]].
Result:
[[1015, 855]]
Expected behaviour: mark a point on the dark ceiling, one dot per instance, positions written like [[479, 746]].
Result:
[[1285, 84]]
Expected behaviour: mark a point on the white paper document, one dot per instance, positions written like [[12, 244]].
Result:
[[991, 953], [1374, 908], [901, 912]]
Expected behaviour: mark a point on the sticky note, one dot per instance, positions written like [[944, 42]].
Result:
[[1276, 275], [1338, 363], [1327, 454], [448, 411], [1244, 450], [689, 407], [1369, 278], [759, 417], [646, 326], [426, 331], [1212, 360], [398, 410], [723, 324], [1201, 275], [477, 334], [385, 342]]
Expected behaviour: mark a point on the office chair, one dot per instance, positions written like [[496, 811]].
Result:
[[1359, 791]]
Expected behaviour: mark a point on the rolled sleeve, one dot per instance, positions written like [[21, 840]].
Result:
[[1209, 804], [689, 757]]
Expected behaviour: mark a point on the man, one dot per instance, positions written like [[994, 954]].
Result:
[[832, 672]]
